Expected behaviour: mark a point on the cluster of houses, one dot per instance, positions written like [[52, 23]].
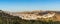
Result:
[[34, 16]]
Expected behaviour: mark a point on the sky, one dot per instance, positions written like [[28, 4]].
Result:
[[29, 5]]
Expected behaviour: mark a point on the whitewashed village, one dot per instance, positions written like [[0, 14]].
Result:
[[34, 16]]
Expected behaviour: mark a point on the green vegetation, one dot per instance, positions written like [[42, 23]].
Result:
[[0, 20]]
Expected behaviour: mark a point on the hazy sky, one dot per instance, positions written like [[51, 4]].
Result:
[[27, 5]]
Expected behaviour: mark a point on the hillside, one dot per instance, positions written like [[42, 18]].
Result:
[[39, 15], [6, 18]]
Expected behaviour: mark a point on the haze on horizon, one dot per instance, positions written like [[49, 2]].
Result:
[[28, 5]]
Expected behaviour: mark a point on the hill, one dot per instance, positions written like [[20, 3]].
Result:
[[6, 18]]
